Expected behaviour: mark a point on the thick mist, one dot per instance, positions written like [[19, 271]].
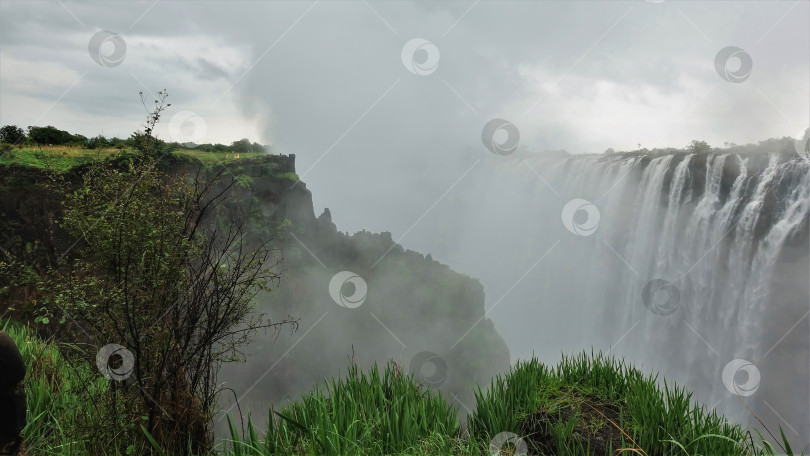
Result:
[[387, 133], [390, 150], [681, 262]]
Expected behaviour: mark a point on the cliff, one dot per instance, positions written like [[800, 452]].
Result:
[[417, 311]]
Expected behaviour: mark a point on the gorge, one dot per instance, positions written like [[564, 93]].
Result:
[[691, 264], [694, 265]]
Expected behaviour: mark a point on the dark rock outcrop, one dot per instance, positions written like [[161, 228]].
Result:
[[12, 399], [414, 304]]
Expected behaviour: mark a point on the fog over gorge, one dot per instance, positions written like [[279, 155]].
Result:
[[472, 184]]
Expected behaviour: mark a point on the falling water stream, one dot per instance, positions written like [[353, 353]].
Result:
[[681, 263]]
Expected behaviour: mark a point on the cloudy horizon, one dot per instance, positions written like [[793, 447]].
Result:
[[622, 72], [329, 82]]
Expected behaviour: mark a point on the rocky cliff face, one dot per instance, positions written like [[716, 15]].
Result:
[[414, 310]]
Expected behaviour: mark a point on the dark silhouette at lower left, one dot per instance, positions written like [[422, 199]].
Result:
[[12, 398]]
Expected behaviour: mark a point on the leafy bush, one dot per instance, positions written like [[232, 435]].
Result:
[[157, 277], [11, 134], [98, 142], [53, 136]]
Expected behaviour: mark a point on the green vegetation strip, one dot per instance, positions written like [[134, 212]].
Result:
[[587, 404], [63, 158]]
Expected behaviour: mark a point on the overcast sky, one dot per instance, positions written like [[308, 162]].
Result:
[[581, 76], [384, 127]]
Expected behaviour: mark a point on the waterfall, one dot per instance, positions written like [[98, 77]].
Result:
[[724, 234]]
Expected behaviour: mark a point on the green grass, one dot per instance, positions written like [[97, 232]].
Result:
[[217, 156], [365, 413], [55, 395], [61, 396], [57, 158], [579, 395], [555, 410], [62, 158]]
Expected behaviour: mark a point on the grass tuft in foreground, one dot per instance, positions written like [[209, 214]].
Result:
[[596, 404], [59, 398], [588, 404], [365, 413]]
